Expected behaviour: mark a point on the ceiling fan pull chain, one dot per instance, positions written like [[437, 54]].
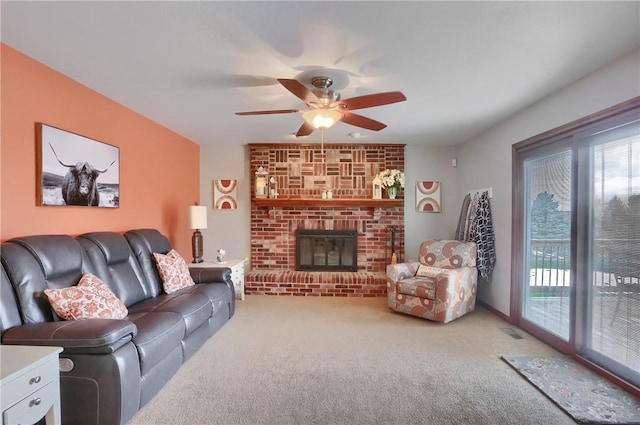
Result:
[[323, 166], [322, 144]]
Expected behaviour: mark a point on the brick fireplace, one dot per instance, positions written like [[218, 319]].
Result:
[[302, 172]]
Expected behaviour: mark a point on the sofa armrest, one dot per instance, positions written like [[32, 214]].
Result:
[[210, 274], [400, 271], [88, 336]]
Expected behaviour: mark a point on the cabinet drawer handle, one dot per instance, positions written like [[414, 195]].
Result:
[[35, 402], [35, 380]]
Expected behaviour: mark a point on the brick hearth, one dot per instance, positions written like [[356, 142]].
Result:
[[349, 170], [336, 284]]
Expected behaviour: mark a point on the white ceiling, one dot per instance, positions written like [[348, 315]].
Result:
[[464, 66]]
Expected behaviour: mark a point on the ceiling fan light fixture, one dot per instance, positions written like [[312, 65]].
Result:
[[325, 108], [321, 119]]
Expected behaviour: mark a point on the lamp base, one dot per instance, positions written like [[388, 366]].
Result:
[[196, 246]]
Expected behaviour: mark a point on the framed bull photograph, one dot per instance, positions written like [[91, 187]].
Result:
[[76, 170]]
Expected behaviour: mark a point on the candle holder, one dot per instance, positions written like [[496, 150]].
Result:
[[377, 188], [262, 179]]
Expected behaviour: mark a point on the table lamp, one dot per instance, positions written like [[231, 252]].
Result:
[[197, 221]]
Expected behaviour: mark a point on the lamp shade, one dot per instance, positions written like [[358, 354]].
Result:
[[198, 217], [322, 118]]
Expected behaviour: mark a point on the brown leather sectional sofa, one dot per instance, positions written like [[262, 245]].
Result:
[[109, 368]]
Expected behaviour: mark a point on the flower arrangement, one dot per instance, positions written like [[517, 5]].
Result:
[[392, 178]]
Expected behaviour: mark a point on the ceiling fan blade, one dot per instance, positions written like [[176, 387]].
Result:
[[276, 111], [360, 121], [298, 89], [305, 130], [371, 100]]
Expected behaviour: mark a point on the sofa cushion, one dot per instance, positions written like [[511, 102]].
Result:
[[173, 270], [9, 313], [215, 283], [421, 287], [143, 243], [116, 265], [217, 292], [36, 263], [91, 298], [193, 308], [159, 333]]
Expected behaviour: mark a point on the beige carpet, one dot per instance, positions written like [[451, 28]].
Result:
[[291, 360]]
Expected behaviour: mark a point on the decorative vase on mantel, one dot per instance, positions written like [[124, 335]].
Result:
[[392, 192]]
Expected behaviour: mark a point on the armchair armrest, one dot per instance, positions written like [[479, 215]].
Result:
[[88, 336], [396, 273], [400, 271], [463, 277], [451, 283]]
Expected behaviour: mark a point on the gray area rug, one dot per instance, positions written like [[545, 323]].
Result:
[[585, 396]]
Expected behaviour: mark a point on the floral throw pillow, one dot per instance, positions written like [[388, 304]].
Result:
[[430, 271], [91, 298], [174, 271]]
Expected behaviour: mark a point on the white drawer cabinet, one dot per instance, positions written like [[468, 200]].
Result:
[[237, 273], [34, 407], [30, 384]]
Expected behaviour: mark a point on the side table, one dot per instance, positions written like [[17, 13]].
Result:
[[29, 384], [237, 273]]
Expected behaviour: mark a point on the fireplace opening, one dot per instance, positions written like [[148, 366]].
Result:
[[326, 250]]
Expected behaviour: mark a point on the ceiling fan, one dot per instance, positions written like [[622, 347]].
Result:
[[325, 107]]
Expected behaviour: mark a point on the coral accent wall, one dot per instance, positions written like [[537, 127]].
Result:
[[159, 169]]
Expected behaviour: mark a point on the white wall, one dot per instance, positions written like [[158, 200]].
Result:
[[431, 164], [227, 229], [486, 160]]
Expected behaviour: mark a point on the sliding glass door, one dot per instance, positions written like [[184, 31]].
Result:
[[546, 301], [577, 241], [612, 313]]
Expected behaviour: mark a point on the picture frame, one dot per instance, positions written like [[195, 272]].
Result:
[[225, 194], [428, 197], [74, 170]]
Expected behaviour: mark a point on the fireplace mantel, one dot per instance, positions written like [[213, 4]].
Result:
[[335, 202]]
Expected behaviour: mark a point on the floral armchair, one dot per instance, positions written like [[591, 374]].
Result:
[[441, 286]]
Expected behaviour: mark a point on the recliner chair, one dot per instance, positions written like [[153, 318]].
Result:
[[441, 286]]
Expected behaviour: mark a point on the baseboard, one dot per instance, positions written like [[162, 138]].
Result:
[[496, 312]]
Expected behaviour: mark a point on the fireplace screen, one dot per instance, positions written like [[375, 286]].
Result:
[[326, 250]]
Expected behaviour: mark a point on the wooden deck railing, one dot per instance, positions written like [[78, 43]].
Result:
[[550, 263]]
